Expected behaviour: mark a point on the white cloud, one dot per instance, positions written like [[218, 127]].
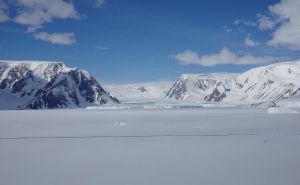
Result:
[[34, 13], [245, 23], [103, 47], [56, 38], [283, 20], [249, 42], [225, 56], [287, 34], [265, 22], [227, 29], [3, 12], [99, 3]]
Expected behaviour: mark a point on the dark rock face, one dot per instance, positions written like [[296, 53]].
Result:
[[13, 75], [53, 86], [70, 89], [269, 91], [142, 89], [18, 86], [189, 84], [217, 95], [205, 84], [47, 100]]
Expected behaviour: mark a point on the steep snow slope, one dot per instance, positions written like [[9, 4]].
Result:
[[10, 101], [293, 101], [140, 92], [270, 83], [202, 87], [24, 78], [35, 85]]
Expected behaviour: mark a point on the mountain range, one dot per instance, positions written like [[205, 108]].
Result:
[[264, 84], [40, 85]]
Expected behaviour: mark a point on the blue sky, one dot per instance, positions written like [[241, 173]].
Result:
[[121, 41]]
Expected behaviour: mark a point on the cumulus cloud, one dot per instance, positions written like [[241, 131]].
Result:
[[99, 3], [225, 56], [3, 12], [34, 13], [283, 20], [56, 38], [287, 34], [249, 42]]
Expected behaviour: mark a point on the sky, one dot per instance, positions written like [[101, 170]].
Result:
[[126, 41]]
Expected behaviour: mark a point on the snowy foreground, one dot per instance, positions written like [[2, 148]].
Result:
[[209, 146]]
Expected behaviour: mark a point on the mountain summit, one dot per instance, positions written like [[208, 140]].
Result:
[[37, 85]]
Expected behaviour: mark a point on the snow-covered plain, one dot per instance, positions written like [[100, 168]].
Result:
[[210, 146]]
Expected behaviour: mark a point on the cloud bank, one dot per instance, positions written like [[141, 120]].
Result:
[[225, 56], [283, 20], [287, 12], [34, 13]]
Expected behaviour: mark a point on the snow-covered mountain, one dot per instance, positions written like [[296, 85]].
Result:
[[35, 85], [140, 92], [258, 85], [202, 87], [270, 83], [261, 84]]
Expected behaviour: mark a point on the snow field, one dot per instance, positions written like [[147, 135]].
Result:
[[210, 146]]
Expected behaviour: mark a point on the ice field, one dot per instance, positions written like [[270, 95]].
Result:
[[192, 146]]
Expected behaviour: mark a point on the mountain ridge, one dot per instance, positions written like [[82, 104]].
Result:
[[42, 84]]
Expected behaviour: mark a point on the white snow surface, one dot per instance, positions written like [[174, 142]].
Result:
[[281, 110], [210, 146]]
